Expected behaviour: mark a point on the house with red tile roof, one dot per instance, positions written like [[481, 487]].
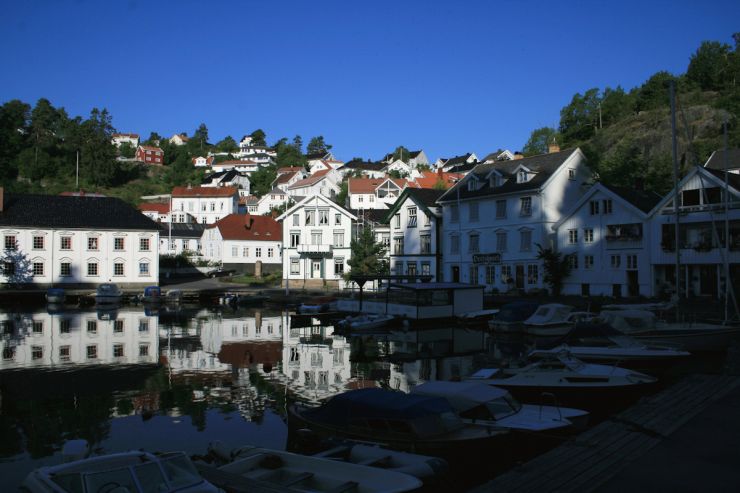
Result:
[[156, 211], [438, 180], [204, 205], [149, 155], [323, 182], [374, 193], [245, 243]]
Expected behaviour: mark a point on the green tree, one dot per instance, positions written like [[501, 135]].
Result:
[[261, 180], [578, 120], [710, 66], [556, 268], [538, 141], [227, 144], [317, 145], [14, 121], [127, 150], [298, 143], [616, 105], [623, 164], [654, 92], [154, 139], [368, 255], [200, 136], [401, 153], [258, 137], [343, 194], [289, 154], [98, 165]]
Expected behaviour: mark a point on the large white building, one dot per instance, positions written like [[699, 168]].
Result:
[[204, 205], [497, 215], [316, 248], [240, 242], [76, 241], [323, 182]]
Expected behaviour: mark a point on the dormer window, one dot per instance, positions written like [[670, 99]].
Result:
[[493, 181], [521, 177], [472, 186]]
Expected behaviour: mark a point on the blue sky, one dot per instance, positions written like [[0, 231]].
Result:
[[446, 77]]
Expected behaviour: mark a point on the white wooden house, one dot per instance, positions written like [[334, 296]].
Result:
[[204, 205], [241, 242], [322, 182]]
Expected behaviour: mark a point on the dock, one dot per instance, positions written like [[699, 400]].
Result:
[[596, 456]]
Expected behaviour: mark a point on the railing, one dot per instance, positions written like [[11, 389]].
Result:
[[308, 248]]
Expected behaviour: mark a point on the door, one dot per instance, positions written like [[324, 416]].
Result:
[[455, 273], [316, 269], [633, 284], [708, 280], [520, 276]]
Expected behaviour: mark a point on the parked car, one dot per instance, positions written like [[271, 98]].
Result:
[[220, 272]]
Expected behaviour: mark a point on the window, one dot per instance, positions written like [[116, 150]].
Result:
[[572, 236], [92, 351], [8, 353], [454, 214], [295, 239], [310, 217], [118, 326], [472, 185], [525, 240], [65, 352], [616, 261], [525, 206], [92, 268], [631, 262], [296, 220], [258, 252], [588, 261], [213, 206], [10, 242], [245, 251], [490, 274], [92, 326], [64, 326], [9, 268], [66, 243], [316, 237], [118, 269], [338, 239], [594, 204], [38, 242], [426, 269], [37, 327], [474, 244], [360, 198], [410, 268], [295, 266], [425, 243], [533, 273], [573, 261], [337, 219], [473, 211], [473, 274], [144, 268], [92, 243], [398, 245], [607, 203], [338, 266], [38, 268], [203, 206], [501, 241], [588, 235], [234, 251], [571, 174], [118, 350], [117, 243], [143, 325], [144, 244], [324, 217], [454, 244], [270, 252], [500, 209], [521, 177], [412, 217], [37, 352], [397, 220], [505, 273], [143, 350]]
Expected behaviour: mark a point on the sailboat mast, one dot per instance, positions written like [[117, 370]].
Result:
[[728, 278], [674, 146]]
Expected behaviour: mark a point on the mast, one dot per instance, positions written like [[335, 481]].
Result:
[[728, 278], [674, 147]]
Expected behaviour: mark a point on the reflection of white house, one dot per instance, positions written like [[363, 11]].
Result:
[[127, 336], [496, 215], [76, 241], [242, 242], [204, 205], [606, 236], [316, 242]]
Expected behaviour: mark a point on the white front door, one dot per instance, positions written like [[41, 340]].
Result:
[[316, 269]]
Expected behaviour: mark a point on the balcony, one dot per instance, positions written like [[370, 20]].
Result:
[[314, 249]]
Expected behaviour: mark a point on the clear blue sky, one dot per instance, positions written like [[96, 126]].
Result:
[[447, 77]]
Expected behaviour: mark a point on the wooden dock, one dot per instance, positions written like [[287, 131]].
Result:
[[597, 455]]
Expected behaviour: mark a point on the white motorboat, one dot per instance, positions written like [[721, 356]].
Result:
[[366, 322], [484, 405], [644, 326], [570, 380], [108, 293], [295, 472], [130, 472], [552, 319], [511, 316]]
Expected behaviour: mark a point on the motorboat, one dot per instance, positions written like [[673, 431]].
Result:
[[152, 294], [644, 326], [408, 422], [318, 305], [511, 316], [365, 322], [108, 293], [296, 472], [131, 472], [551, 319], [478, 317], [55, 296], [483, 405], [570, 380]]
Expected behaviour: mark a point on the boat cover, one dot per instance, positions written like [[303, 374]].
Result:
[[462, 395]]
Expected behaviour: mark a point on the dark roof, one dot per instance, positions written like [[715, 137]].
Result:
[[717, 159], [458, 160], [411, 155], [732, 178], [317, 155], [425, 197], [182, 230], [61, 212], [461, 168], [366, 165], [373, 215], [543, 166], [223, 176], [645, 201]]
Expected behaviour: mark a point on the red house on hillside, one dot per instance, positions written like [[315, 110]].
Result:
[[150, 155]]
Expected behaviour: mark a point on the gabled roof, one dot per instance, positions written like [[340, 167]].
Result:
[[182, 230], [290, 169], [411, 155], [429, 179], [318, 200], [224, 176], [717, 159], [151, 148], [209, 159], [235, 162], [641, 199], [363, 165], [454, 161], [716, 176], [131, 136], [318, 155], [377, 216], [249, 227], [363, 185], [203, 191], [73, 212], [275, 191], [159, 207], [311, 180], [249, 200], [462, 167], [401, 183], [543, 166], [425, 198]]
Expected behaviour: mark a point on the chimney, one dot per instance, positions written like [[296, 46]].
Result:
[[518, 155], [553, 146], [2, 199]]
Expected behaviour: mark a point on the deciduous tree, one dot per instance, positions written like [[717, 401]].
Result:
[[539, 140]]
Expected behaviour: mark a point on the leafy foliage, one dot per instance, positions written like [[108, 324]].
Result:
[[368, 255], [539, 140], [317, 145], [262, 179], [258, 137], [556, 268]]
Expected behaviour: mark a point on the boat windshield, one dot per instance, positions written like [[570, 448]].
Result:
[[503, 407], [180, 471]]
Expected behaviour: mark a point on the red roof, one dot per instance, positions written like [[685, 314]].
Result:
[[132, 136], [248, 199], [285, 177], [203, 191], [429, 179], [235, 162], [249, 227], [311, 180], [289, 169], [151, 148], [159, 207], [363, 185]]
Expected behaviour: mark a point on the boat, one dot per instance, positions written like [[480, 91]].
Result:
[[152, 294], [318, 305], [173, 296], [296, 472], [243, 299], [644, 326], [108, 293], [55, 296], [130, 472], [551, 319], [483, 405], [477, 317], [365, 322], [511, 316], [407, 422], [571, 381]]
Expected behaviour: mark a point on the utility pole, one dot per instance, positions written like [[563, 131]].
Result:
[[674, 145], [77, 171]]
